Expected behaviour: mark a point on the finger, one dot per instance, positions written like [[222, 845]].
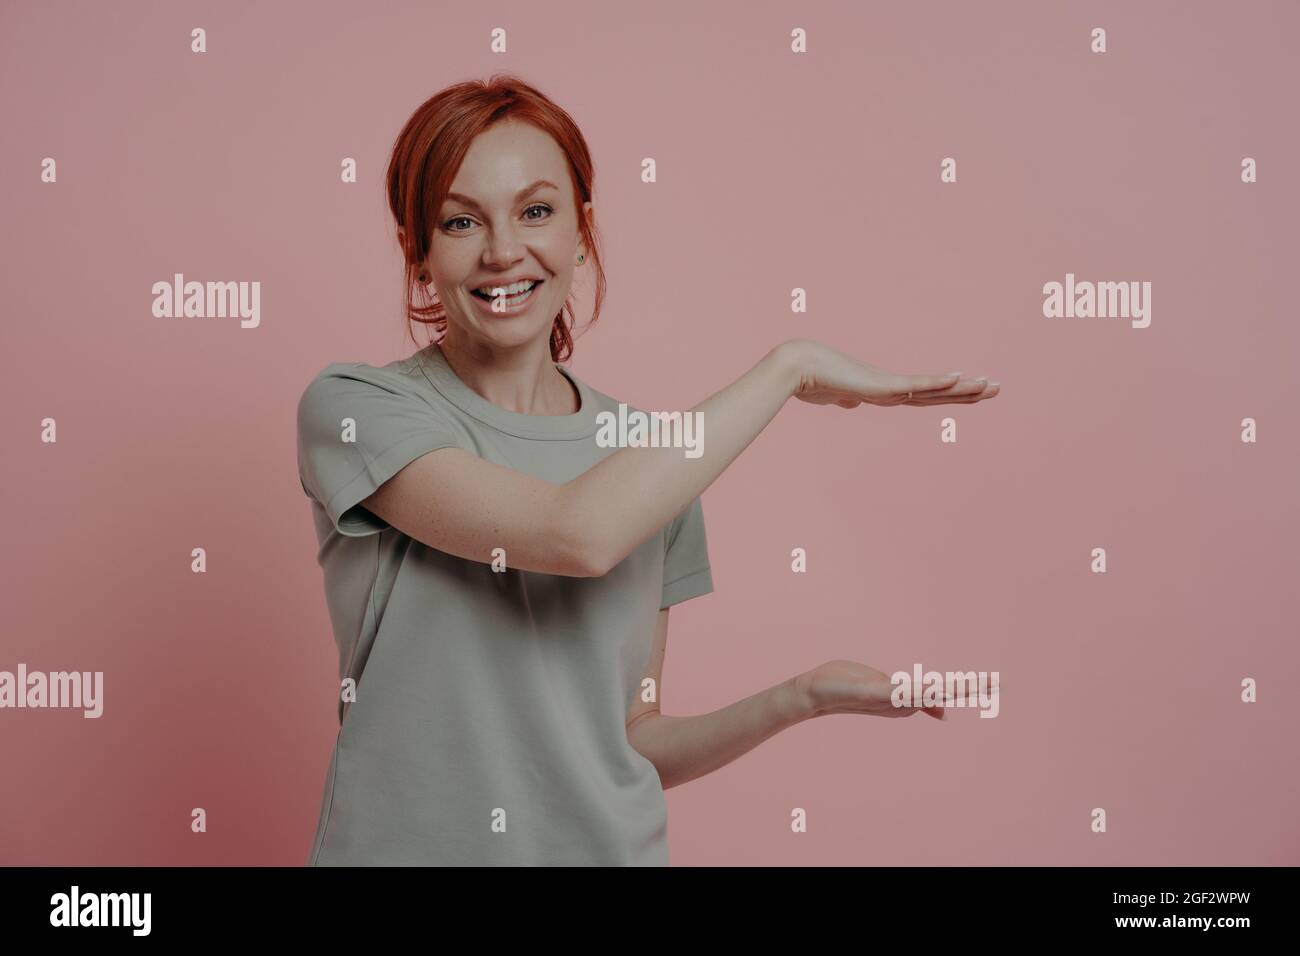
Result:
[[970, 386], [934, 710], [955, 398], [961, 387], [931, 383], [901, 386], [957, 390], [919, 383], [895, 711], [966, 695]]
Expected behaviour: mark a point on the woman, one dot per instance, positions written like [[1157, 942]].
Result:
[[499, 582]]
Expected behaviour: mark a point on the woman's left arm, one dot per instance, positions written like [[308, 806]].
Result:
[[683, 748]]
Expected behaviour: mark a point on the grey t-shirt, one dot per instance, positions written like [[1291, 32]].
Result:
[[489, 725]]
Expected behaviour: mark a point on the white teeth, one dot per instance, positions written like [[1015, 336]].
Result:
[[518, 287]]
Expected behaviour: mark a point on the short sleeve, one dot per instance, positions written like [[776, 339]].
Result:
[[686, 557], [358, 425]]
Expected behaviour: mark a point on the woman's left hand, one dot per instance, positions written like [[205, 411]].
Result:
[[847, 687]]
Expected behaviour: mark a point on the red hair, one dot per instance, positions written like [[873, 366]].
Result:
[[428, 154]]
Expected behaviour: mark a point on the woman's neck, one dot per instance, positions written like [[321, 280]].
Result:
[[522, 381]]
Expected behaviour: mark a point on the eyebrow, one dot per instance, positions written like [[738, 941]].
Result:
[[465, 200]]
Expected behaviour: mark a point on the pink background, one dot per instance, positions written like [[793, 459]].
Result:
[[775, 170]]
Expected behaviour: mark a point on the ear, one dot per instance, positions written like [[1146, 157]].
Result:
[[587, 214]]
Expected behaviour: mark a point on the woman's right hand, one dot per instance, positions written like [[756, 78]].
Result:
[[829, 377]]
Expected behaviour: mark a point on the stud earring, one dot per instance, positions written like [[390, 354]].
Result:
[[581, 259]]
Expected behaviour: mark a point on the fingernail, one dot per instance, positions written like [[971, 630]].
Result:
[[993, 384], [955, 373]]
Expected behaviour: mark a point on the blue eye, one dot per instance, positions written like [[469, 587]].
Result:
[[537, 205]]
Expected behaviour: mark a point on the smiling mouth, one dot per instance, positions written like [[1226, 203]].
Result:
[[509, 300]]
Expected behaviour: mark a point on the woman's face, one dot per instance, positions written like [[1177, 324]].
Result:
[[510, 215]]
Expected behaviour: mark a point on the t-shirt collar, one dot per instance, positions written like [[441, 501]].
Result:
[[443, 378]]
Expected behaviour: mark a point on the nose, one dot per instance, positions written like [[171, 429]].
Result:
[[503, 247]]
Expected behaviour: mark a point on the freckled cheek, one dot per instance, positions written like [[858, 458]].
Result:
[[556, 253], [450, 264]]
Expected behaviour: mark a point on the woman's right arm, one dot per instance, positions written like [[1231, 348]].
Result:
[[626, 497], [456, 502]]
